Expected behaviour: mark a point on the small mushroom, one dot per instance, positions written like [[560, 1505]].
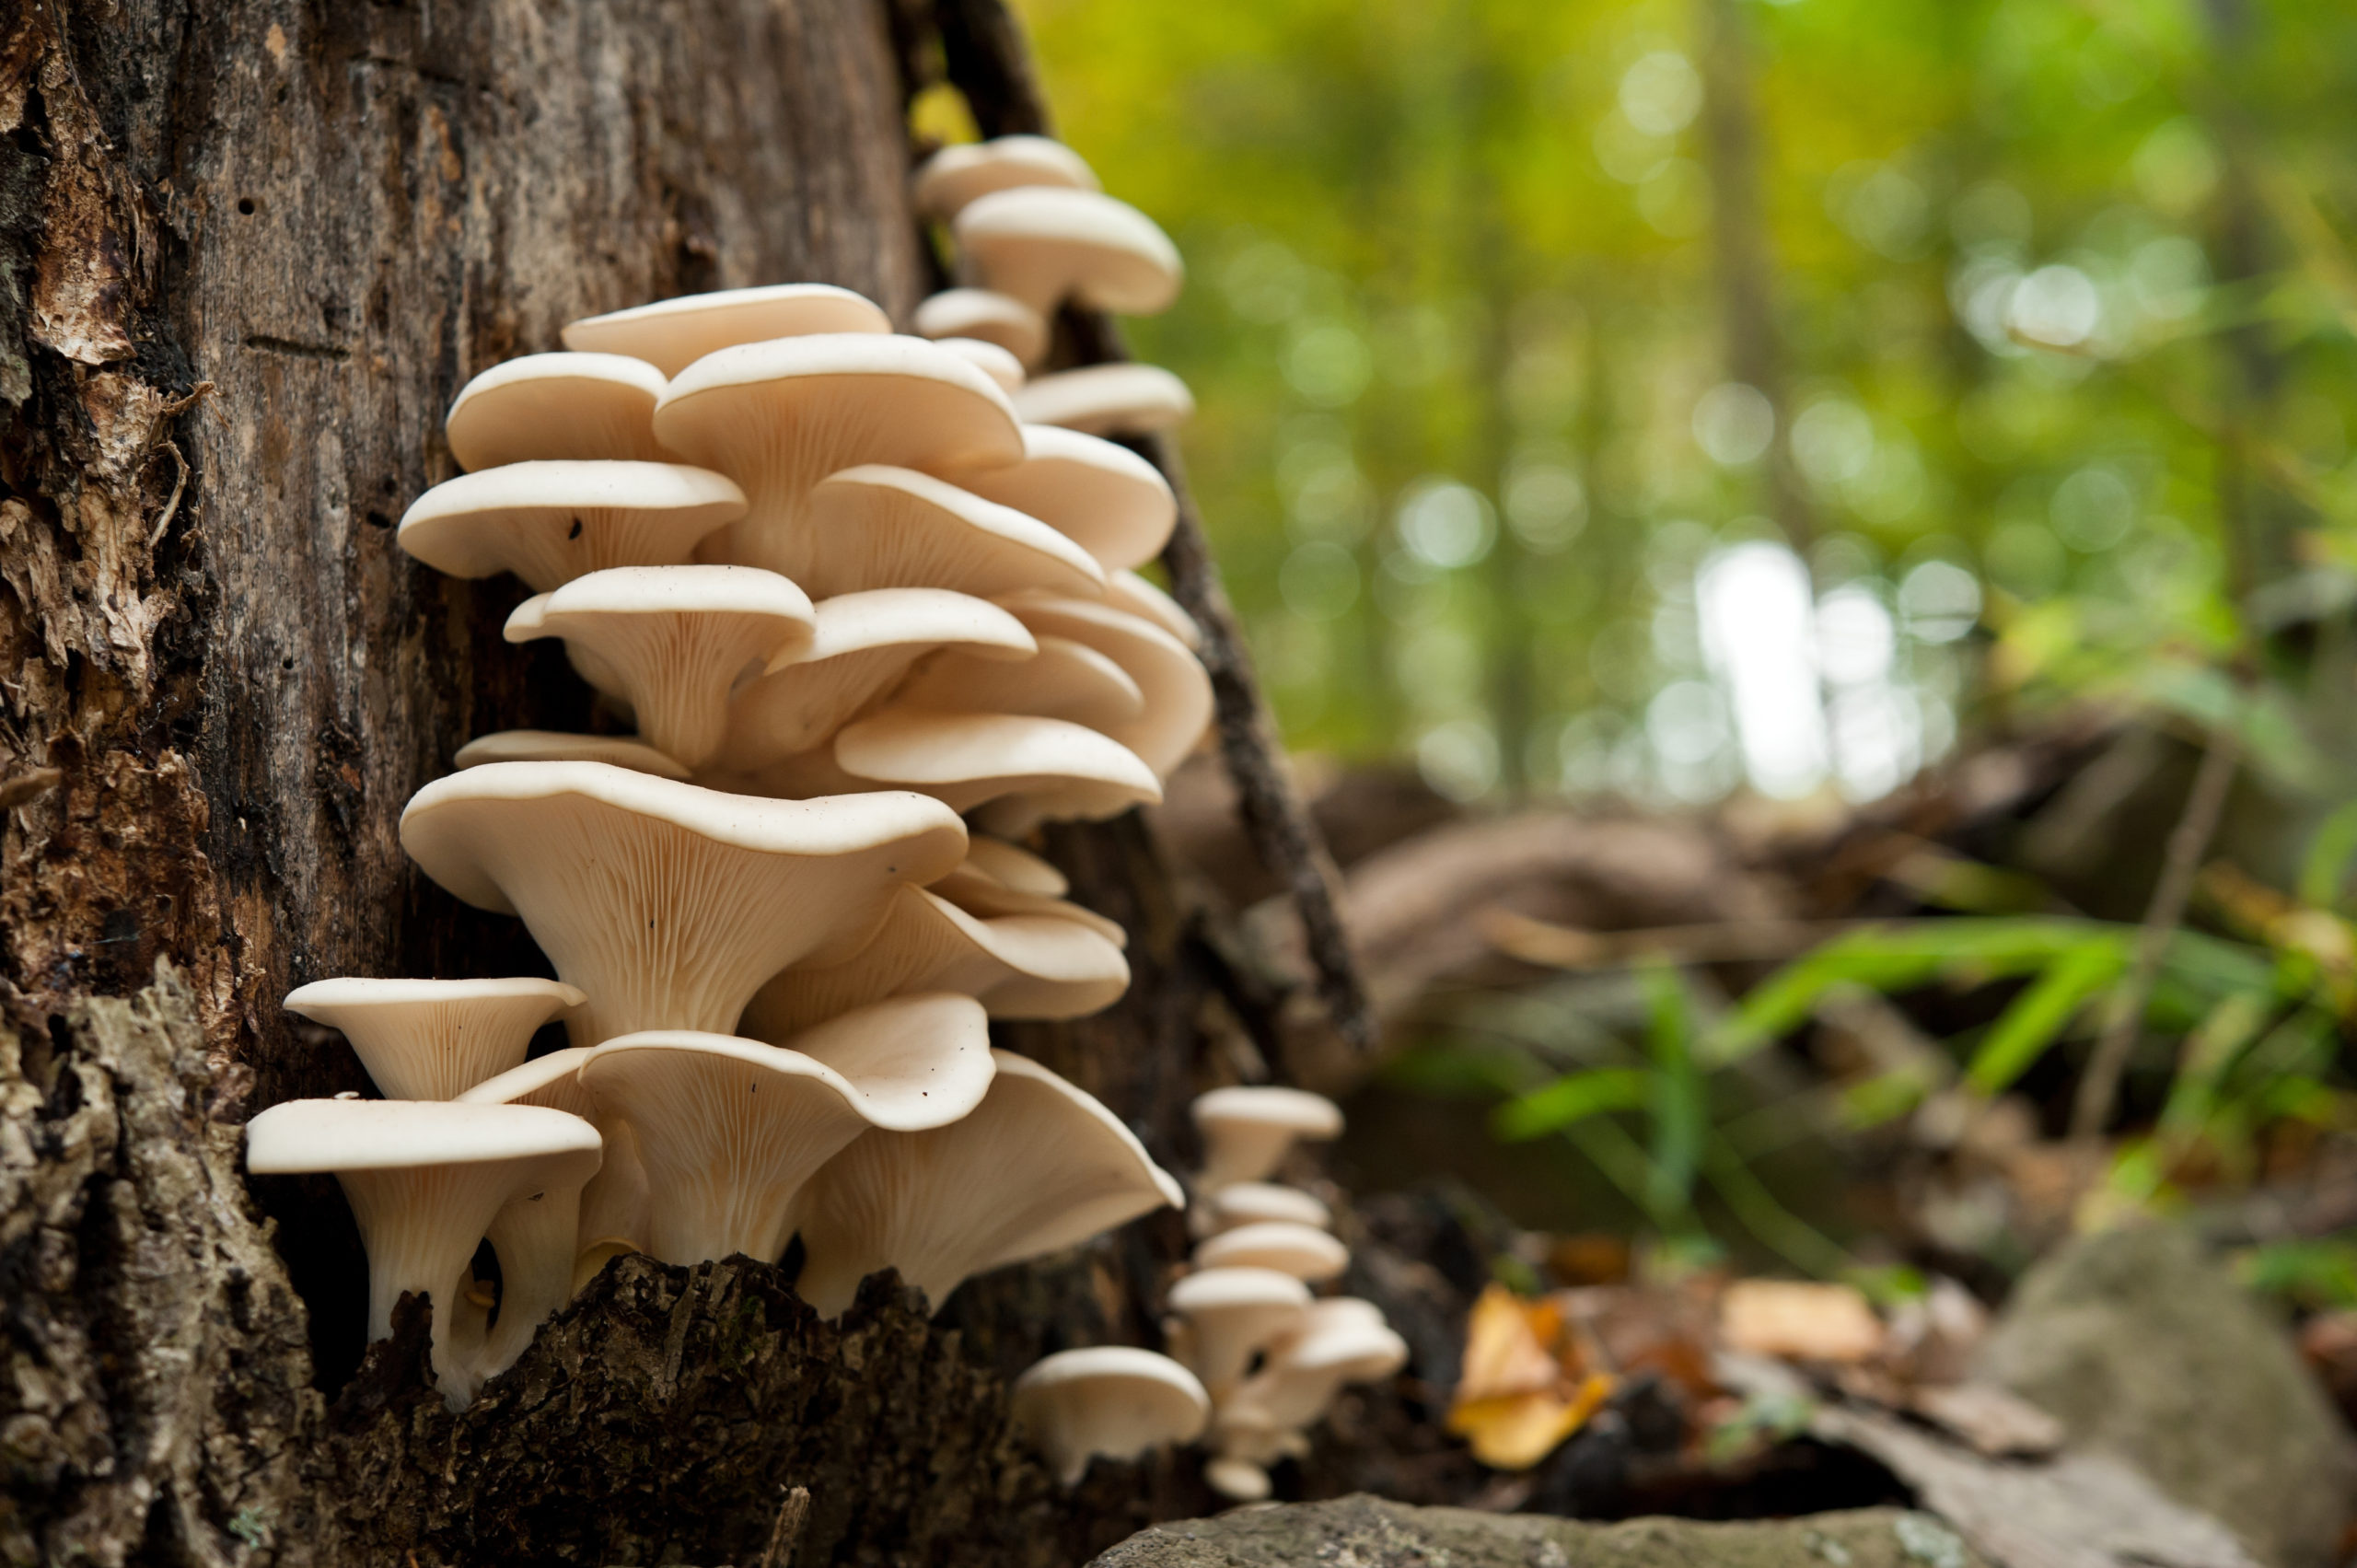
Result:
[[1103, 496], [864, 643], [878, 526], [1128, 591], [556, 406], [1258, 1203], [1176, 688], [979, 895], [1248, 1129], [667, 904], [1018, 967], [1037, 1166], [779, 416], [990, 317], [433, 1039], [1064, 681], [730, 1129], [1306, 1252], [551, 522], [1230, 1316], [1238, 1480], [1108, 399], [1012, 868], [947, 181], [426, 1179], [672, 640], [556, 746], [673, 334], [1045, 245], [1339, 1343], [965, 760], [1115, 1401], [610, 1216], [989, 358]]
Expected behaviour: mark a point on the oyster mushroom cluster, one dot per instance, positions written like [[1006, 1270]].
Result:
[[867, 617], [1270, 1353]]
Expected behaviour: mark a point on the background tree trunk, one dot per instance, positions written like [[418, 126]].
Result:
[[249, 252]]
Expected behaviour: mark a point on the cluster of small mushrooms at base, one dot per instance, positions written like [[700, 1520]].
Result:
[[863, 610]]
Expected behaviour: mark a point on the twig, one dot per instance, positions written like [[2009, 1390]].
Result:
[[1569, 947], [162, 443], [2090, 1110], [989, 62], [785, 1530]]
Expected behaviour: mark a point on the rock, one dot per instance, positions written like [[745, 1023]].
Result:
[[1368, 1532], [2142, 1346]]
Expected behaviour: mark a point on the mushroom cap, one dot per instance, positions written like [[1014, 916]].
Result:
[[1098, 493], [1233, 1312], [311, 1136], [671, 642], [966, 759], [1304, 1251], [1107, 400], [553, 1080], [989, 358], [549, 522], [673, 334], [729, 1129], [957, 174], [978, 895], [556, 746], [1176, 686], [1037, 1166], [780, 416], [982, 314], [1112, 1400], [1331, 1312], [1295, 1111], [1044, 244], [1125, 590], [1012, 868], [1064, 681], [664, 901], [612, 1207], [1303, 1375], [861, 644], [880, 527], [1238, 1480], [1255, 1202], [433, 1039], [556, 406], [1018, 966]]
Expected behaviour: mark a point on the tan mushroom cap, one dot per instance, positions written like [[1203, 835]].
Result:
[[1232, 1314], [1014, 867], [1098, 493], [1108, 399], [672, 640], [1306, 1252], [1128, 591], [957, 174], [1064, 681], [1257, 1202], [1247, 1129], [1176, 686], [1045, 245], [965, 760], [557, 407], [779, 416], [425, 1179], [1037, 1166], [730, 1129], [862, 643], [1018, 966], [610, 1215], [1115, 1401], [433, 1039], [549, 522], [557, 746], [991, 317], [673, 334], [1238, 1480], [980, 896], [989, 358], [664, 901], [1304, 1375], [880, 527]]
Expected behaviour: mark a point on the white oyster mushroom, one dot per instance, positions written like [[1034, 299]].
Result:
[[433, 1039], [1113, 1400]]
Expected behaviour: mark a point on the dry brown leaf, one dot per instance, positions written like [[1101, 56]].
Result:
[[1527, 1384], [1509, 1347], [1517, 1431], [1799, 1320]]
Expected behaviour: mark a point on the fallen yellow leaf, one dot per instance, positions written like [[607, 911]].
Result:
[[1517, 1430]]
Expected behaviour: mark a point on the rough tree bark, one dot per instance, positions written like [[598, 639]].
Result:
[[249, 252]]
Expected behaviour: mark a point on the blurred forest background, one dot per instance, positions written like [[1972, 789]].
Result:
[[1748, 412]]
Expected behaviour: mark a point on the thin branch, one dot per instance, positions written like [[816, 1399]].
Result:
[[785, 1530]]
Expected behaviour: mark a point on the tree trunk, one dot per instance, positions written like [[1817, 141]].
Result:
[[249, 252]]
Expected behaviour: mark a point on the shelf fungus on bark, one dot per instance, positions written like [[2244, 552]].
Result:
[[673, 334], [1248, 1129], [1108, 399], [557, 407], [667, 904], [433, 1039], [427, 1179], [1306, 1252], [945, 182], [987, 317], [1046, 245], [1101, 494], [1113, 1400], [877, 526], [1038, 1166], [550, 521]]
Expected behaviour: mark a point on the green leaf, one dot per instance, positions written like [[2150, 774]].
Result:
[[1680, 1111], [2039, 1015], [2326, 867], [1572, 1097]]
